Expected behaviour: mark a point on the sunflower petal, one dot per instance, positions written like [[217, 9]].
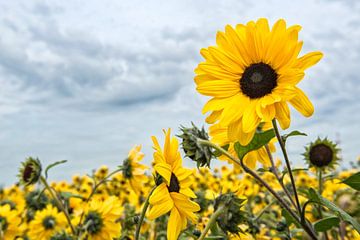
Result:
[[302, 103], [308, 60]]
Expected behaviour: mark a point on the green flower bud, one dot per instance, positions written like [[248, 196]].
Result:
[[199, 153]]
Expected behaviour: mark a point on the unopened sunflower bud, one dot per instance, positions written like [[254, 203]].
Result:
[[30, 171], [193, 149], [232, 216], [322, 153]]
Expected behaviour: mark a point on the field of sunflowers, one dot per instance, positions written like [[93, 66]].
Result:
[[251, 76]]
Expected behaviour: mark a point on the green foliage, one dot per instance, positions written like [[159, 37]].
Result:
[[353, 181], [53, 165], [314, 196], [326, 224], [259, 140], [293, 133]]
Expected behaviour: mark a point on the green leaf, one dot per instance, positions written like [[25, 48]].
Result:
[[353, 181], [293, 133], [316, 197], [259, 140], [326, 223], [289, 219], [53, 165]]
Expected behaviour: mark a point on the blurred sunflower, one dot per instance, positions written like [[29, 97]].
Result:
[[173, 194], [252, 74], [46, 223], [101, 219], [9, 222], [219, 135], [133, 171]]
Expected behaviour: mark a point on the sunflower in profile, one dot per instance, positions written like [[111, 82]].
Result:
[[251, 76], [219, 135], [46, 223], [133, 171], [101, 219], [9, 222], [173, 194]]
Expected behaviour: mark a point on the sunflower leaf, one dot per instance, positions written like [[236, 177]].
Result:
[[293, 133], [53, 165], [326, 223], [259, 140], [314, 196], [353, 181]]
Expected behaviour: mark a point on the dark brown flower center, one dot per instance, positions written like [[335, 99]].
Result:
[[321, 155], [174, 184], [258, 80]]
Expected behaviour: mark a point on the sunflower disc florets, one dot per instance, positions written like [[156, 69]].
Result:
[[193, 149], [30, 171], [322, 153], [232, 216]]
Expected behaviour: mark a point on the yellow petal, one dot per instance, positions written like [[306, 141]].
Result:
[[250, 119], [219, 88], [301, 103], [164, 170], [175, 224], [160, 195], [283, 114], [308, 60], [213, 117]]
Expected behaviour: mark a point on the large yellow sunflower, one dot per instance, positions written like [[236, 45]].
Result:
[[133, 171], [173, 194], [9, 222], [101, 219], [219, 136], [46, 223], [252, 74]]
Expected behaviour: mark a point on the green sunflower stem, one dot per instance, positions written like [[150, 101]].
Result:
[[320, 189], [275, 172], [212, 221], [281, 201], [288, 166], [142, 216], [58, 203]]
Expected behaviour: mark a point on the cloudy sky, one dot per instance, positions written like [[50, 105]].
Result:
[[86, 80]]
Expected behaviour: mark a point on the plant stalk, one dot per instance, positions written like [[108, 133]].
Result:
[[212, 221], [283, 149], [142, 216]]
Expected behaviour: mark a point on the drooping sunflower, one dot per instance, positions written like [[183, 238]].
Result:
[[251, 76], [173, 194], [9, 222], [219, 136], [46, 223], [101, 219], [133, 171]]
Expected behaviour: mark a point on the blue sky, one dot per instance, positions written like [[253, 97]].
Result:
[[86, 80]]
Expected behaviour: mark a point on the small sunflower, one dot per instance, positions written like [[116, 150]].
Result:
[[252, 74], [9, 222], [321, 154], [219, 135], [173, 194], [133, 171], [46, 223], [101, 219]]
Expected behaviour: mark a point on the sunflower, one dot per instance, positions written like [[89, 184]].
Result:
[[322, 154], [101, 219], [9, 222], [219, 136], [173, 194], [251, 75], [133, 171], [46, 223]]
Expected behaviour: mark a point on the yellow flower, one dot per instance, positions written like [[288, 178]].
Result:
[[173, 194], [46, 223], [133, 171], [9, 222], [252, 74], [219, 135], [101, 219]]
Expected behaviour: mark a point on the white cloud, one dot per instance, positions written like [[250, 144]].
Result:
[[86, 81]]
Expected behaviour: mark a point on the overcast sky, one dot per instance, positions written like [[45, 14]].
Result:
[[86, 80]]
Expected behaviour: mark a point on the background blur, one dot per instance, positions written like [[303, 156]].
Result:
[[86, 80]]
